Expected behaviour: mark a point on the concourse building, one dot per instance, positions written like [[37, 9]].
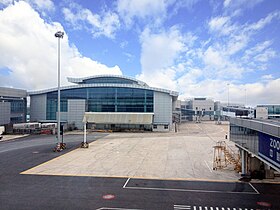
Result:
[[13, 105], [259, 144], [112, 102]]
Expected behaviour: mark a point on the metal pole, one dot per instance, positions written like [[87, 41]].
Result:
[[228, 95], [245, 97], [58, 93], [243, 162], [228, 100], [85, 133]]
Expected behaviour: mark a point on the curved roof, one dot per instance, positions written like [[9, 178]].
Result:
[[172, 93], [119, 79]]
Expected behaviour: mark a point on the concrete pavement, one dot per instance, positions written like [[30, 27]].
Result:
[[187, 154]]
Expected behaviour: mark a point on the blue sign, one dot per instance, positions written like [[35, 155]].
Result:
[[269, 148]]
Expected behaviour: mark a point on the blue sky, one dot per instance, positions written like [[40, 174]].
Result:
[[195, 47]]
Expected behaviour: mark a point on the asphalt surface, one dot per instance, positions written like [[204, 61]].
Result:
[[19, 191]]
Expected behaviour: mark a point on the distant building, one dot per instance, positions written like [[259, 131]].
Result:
[[13, 105], [197, 109], [259, 144], [115, 102], [273, 110], [200, 109], [261, 113], [224, 110]]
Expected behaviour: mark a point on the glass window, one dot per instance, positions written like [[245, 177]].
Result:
[[107, 99]]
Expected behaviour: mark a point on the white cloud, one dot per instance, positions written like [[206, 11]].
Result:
[[235, 4], [130, 9], [252, 93], [222, 25], [237, 7], [29, 49], [159, 55], [43, 4], [105, 24], [151, 12], [38, 4], [228, 54], [6, 2], [267, 77], [264, 21]]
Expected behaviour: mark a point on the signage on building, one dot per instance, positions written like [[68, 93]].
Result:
[[269, 148]]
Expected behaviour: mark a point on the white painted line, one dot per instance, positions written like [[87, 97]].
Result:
[[105, 208], [254, 188], [234, 208], [228, 208], [211, 208], [223, 208], [194, 208], [177, 207], [206, 208], [217, 208], [126, 182], [182, 207], [208, 166], [200, 208], [185, 190]]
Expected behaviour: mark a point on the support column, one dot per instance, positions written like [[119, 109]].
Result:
[[84, 144], [243, 162], [85, 132]]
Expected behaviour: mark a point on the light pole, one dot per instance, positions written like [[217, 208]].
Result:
[[228, 100], [245, 97], [60, 144]]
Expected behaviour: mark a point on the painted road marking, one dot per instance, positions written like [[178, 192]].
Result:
[[208, 166], [182, 207], [126, 182], [186, 190], [108, 197], [108, 208], [188, 207], [254, 188]]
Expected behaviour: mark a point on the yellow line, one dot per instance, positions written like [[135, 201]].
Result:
[[132, 177], [47, 162], [27, 171]]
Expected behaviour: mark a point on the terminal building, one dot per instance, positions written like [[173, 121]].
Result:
[[205, 109], [272, 109], [259, 143], [112, 101], [13, 105], [197, 109]]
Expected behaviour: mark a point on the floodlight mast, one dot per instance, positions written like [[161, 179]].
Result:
[[58, 35]]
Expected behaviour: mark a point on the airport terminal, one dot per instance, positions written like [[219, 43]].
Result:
[[108, 96], [121, 103]]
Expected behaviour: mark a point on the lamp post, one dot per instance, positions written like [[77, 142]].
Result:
[[245, 97], [60, 144], [228, 100]]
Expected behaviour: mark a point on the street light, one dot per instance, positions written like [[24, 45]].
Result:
[[228, 100], [60, 145]]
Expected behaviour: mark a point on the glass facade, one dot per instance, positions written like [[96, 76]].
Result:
[[245, 137], [107, 80], [272, 109], [103, 99], [18, 106]]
